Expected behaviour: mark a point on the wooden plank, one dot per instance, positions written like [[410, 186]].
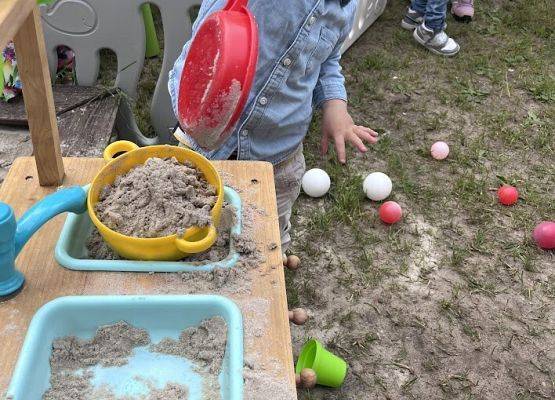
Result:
[[14, 143], [39, 104], [66, 98], [12, 15], [46, 280], [86, 131]]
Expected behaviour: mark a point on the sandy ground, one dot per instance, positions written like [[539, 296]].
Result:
[[456, 301]]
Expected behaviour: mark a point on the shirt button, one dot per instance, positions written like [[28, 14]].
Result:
[[244, 133], [311, 20], [263, 101], [287, 62]]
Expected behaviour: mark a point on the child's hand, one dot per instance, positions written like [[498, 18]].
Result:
[[338, 126]]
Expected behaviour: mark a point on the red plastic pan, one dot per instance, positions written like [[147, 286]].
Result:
[[218, 74]]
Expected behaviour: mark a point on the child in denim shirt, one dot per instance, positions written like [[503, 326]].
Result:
[[298, 69]]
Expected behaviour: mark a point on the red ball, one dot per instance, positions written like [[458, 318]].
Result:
[[508, 195], [390, 212], [544, 235]]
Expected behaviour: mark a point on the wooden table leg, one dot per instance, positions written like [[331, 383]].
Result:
[[39, 102]]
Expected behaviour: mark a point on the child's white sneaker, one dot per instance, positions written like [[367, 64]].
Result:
[[411, 20], [436, 42]]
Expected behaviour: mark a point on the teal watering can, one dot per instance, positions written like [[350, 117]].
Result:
[[14, 235]]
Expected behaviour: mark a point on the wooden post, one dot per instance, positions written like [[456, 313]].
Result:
[[39, 103]]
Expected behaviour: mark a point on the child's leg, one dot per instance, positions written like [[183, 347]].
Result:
[[287, 177], [430, 33], [414, 15], [434, 17], [419, 6]]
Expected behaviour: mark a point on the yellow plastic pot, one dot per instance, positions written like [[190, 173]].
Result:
[[121, 157]]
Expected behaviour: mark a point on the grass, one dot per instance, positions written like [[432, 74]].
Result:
[[459, 268]]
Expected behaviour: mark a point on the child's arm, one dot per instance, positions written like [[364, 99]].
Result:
[[338, 126], [331, 96]]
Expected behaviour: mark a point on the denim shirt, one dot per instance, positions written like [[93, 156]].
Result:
[[298, 68]]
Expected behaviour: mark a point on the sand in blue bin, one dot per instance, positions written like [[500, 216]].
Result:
[[146, 370]]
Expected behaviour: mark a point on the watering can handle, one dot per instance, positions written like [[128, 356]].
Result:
[[73, 199], [198, 246], [235, 5]]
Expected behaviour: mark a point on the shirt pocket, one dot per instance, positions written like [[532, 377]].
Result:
[[323, 49]]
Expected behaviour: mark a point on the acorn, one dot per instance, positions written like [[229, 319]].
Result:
[[293, 262], [308, 378], [284, 260], [298, 380], [300, 316], [291, 315]]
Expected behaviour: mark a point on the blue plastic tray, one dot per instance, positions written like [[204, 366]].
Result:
[[71, 249], [161, 316]]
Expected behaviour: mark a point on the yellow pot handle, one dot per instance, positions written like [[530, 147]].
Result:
[[121, 146], [199, 245]]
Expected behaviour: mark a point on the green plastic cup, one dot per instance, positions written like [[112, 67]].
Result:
[[330, 369]]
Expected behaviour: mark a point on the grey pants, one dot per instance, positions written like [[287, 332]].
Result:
[[287, 178]]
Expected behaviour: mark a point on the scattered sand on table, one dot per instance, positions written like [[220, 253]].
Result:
[[264, 385], [112, 345], [162, 197], [223, 280], [257, 311]]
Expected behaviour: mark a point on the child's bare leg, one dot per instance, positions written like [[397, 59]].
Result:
[[287, 177]]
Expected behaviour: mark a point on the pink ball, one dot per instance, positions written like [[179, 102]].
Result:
[[390, 212], [544, 235], [440, 150], [508, 195]]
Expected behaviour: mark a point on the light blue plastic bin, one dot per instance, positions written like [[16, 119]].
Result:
[[161, 316], [71, 249]]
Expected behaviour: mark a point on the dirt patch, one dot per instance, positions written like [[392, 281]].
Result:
[[160, 198], [456, 301]]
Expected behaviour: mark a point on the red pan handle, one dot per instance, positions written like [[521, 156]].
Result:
[[235, 5]]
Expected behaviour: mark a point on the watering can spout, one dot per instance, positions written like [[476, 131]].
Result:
[[14, 235]]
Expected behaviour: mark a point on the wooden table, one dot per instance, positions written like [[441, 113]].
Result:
[[20, 21], [46, 280]]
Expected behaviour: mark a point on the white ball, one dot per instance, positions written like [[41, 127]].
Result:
[[316, 182], [377, 186], [440, 150]]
